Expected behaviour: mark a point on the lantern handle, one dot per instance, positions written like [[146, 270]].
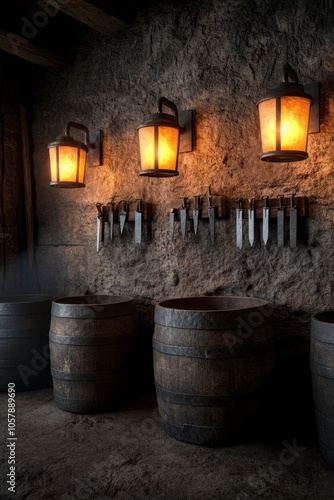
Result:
[[169, 104], [78, 126], [288, 72]]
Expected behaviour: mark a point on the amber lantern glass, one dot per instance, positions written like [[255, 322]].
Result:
[[159, 139], [284, 121], [68, 160]]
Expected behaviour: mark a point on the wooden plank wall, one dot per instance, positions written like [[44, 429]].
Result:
[[17, 217]]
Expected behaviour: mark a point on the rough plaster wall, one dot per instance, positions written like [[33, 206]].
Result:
[[216, 57]]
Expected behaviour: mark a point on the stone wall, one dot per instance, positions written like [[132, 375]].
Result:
[[216, 57]]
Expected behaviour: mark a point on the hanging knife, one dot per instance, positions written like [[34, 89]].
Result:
[[265, 226], [211, 214], [99, 222], [171, 222], [293, 223], [122, 212], [238, 217], [251, 222], [183, 216], [196, 213], [138, 222], [111, 219], [280, 222]]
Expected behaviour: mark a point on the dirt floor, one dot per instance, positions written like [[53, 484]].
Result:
[[126, 455]]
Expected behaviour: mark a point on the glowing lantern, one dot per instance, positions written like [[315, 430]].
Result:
[[159, 140], [68, 157], [284, 120]]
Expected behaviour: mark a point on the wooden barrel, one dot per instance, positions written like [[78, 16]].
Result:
[[213, 361], [322, 372], [91, 341], [24, 343]]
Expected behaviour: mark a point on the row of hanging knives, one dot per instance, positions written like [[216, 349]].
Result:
[[266, 208], [120, 213], [281, 209]]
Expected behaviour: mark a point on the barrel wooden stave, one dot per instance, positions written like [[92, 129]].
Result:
[[24, 343], [89, 354], [211, 383], [322, 372]]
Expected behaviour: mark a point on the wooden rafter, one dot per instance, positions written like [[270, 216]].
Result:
[[21, 47], [93, 14]]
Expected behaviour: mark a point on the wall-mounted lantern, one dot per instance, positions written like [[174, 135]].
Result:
[[68, 157], [162, 136], [284, 119]]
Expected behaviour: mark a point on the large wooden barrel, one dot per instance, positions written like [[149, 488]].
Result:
[[24, 343], [91, 341], [213, 361], [322, 372]]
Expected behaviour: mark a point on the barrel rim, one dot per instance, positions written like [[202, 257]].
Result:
[[36, 297], [65, 301], [316, 317], [260, 303]]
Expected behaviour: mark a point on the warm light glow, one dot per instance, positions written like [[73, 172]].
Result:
[[146, 146], [293, 122], [168, 142], [267, 111], [295, 113], [168, 148], [69, 164]]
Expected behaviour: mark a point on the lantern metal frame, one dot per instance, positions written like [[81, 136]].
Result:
[[180, 120], [291, 89], [91, 145]]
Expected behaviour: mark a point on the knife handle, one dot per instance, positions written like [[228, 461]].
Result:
[[184, 202], [239, 203], [292, 198], [265, 200], [123, 206], [139, 206], [280, 202], [99, 208], [196, 202]]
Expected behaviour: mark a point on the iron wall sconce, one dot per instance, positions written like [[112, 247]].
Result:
[[68, 157], [162, 136], [286, 119]]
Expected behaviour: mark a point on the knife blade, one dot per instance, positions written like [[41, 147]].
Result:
[[138, 222], [211, 215], [122, 214], [183, 217], [196, 213], [99, 224], [171, 223], [238, 220], [111, 219], [293, 223], [251, 228], [265, 226], [280, 222]]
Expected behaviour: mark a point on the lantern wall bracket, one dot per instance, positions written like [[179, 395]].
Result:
[[93, 141], [186, 121], [94, 155], [314, 90]]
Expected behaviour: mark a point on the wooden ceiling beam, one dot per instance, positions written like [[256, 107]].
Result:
[[93, 14], [21, 47]]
